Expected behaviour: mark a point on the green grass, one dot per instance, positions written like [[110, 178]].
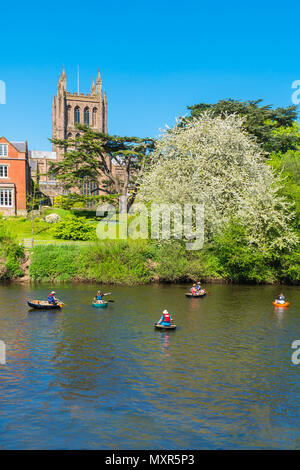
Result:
[[119, 262], [21, 227], [56, 210]]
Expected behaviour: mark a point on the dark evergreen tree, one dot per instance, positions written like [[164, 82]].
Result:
[[260, 121], [115, 163]]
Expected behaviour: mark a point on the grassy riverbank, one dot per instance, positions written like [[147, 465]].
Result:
[[227, 258], [141, 261]]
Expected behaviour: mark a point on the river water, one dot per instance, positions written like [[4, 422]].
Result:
[[88, 378]]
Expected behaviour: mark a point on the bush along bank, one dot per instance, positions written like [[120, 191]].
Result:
[[11, 256], [132, 262]]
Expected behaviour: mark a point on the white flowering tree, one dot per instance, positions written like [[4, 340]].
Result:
[[212, 160]]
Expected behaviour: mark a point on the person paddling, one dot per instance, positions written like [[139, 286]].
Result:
[[280, 299], [198, 286], [194, 289], [99, 297], [165, 319], [52, 299]]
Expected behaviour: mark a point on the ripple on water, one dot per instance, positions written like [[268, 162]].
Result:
[[87, 379]]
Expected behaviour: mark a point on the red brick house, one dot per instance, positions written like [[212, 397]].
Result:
[[15, 181]]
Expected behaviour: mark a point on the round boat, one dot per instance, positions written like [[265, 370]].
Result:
[[165, 327], [100, 305], [201, 294], [43, 305], [285, 305]]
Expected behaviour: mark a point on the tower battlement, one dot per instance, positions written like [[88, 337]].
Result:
[[71, 108]]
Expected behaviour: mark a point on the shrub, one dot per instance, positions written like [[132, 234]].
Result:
[[290, 266], [12, 254], [240, 261], [13, 269], [52, 218], [74, 228]]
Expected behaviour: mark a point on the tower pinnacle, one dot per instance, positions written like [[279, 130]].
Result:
[[63, 78], [93, 88], [99, 84]]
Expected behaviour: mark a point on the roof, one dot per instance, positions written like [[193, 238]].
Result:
[[20, 146], [42, 154]]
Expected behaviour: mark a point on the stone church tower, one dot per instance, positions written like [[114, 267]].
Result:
[[69, 109]]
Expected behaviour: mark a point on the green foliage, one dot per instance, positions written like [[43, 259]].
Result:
[[240, 261], [290, 266], [115, 261], [13, 269], [92, 156], [214, 162], [69, 201], [120, 262], [171, 262], [54, 262], [11, 255], [260, 121], [132, 262], [288, 167], [74, 228]]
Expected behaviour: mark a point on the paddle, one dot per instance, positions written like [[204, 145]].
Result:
[[108, 293]]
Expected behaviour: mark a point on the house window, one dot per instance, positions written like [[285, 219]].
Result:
[[3, 150], [77, 115], [86, 116], [3, 171], [5, 198]]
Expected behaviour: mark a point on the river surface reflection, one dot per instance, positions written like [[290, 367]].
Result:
[[88, 378]]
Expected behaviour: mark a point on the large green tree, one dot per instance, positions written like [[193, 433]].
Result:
[[260, 121], [116, 163]]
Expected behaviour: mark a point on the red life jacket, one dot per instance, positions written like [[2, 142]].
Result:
[[167, 317]]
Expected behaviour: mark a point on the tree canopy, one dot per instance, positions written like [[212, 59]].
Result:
[[116, 163], [260, 121], [214, 161]]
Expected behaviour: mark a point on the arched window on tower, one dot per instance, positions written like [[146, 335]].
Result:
[[94, 117], [86, 116], [76, 115]]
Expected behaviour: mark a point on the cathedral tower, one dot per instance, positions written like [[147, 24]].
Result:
[[68, 109]]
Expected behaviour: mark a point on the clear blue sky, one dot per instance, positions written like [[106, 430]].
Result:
[[156, 58]]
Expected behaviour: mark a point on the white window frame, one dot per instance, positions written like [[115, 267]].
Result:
[[3, 150], [4, 167], [6, 198]]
